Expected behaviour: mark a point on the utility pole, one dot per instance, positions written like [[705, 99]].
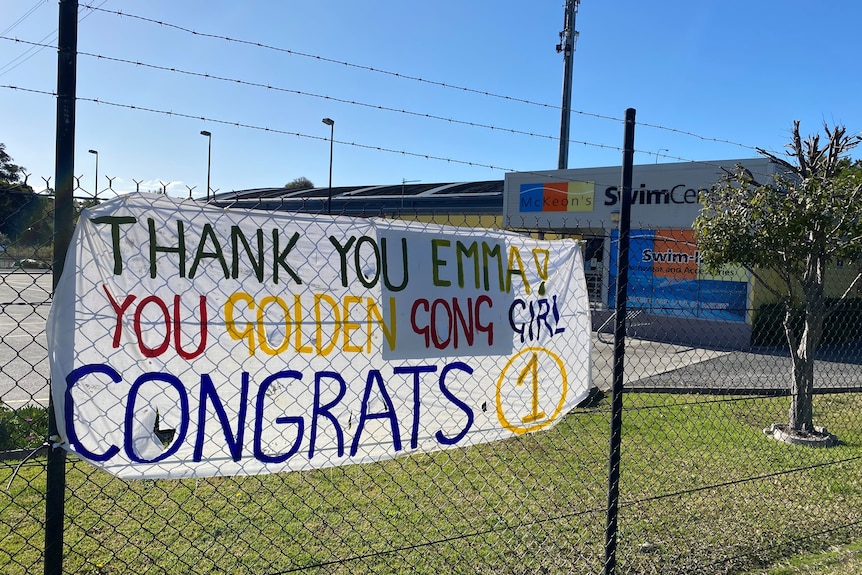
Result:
[[568, 38]]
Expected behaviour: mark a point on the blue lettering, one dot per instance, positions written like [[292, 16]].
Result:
[[69, 409], [174, 382], [258, 420], [441, 438], [324, 410]]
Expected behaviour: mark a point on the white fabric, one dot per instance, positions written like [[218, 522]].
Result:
[[316, 350]]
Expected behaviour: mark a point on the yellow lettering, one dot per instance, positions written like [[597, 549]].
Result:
[[515, 255], [262, 322], [375, 314], [350, 326], [230, 324], [297, 326], [335, 322]]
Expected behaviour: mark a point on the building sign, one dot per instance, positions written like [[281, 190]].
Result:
[[187, 340], [663, 195], [557, 197], [665, 278]]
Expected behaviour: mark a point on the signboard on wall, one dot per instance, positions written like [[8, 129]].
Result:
[[187, 340], [665, 278], [663, 195]]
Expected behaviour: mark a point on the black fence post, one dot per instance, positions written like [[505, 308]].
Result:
[[611, 524], [55, 489]]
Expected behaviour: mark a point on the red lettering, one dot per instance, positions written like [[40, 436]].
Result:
[[147, 351], [177, 329], [119, 310], [448, 323]]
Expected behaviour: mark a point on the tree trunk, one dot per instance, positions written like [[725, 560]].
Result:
[[802, 354], [802, 387]]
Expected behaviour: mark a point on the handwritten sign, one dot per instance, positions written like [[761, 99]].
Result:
[[187, 340]]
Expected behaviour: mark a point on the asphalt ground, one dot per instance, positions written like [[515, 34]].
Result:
[[649, 366], [25, 299]]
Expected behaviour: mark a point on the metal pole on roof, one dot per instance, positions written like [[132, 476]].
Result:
[[331, 123], [405, 181], [568, 38], [209, 138]]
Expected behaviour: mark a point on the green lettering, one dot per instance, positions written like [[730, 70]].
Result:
[[115, 222], [342, 251], [236, 236], [437, 263], [471, 251], [280, 257], [200, 253], [488, 253], [180, 250]]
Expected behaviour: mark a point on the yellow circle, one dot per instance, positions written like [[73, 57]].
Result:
[[565, 389]]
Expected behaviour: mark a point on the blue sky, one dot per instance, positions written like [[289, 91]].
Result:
[[709, 80]]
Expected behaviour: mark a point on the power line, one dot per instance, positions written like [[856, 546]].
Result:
[[302, 93], [24, 17], [344, 63], [285, 132], [38, 47], [367, 105], [403, 76], [345, 143]]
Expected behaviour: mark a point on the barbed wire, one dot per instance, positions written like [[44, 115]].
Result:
[[540, 173], [339, 62], [288, 132], [303, 93], [405, 76]]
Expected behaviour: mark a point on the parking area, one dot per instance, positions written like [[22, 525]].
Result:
[[25, 299]]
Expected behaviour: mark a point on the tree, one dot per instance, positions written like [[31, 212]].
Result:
[[300, 183], [26, 218], [786, 233], [11, 175]]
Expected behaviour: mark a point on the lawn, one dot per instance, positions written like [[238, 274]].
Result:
[[702, 490]]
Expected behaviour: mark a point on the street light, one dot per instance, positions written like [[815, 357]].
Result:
[[660, 150], [331, 123], [209, 158], [96, 188]]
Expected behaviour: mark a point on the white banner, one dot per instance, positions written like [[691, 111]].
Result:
[[188, 340]]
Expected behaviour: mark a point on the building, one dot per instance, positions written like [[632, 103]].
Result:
[[671, 298]]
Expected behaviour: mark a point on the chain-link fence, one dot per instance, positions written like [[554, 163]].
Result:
[[702, 487]]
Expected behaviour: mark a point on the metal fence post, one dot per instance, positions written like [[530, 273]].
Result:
[[611, 524], [55, 490]]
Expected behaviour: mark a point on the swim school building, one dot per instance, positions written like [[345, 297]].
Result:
[[671, 298]]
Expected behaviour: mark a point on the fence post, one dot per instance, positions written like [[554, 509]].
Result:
[[611, 524], [67, 44]]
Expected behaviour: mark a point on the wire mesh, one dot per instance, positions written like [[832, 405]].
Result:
[[703, 488]]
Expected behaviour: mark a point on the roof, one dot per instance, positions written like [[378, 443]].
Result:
[[414, 198]]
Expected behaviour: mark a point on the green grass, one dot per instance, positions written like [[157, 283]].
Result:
[[702, 490], [22, 428], [837, 560]]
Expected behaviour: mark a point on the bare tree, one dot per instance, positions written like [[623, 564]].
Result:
[[791, 229]]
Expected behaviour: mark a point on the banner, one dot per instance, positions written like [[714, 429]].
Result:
[[188, 340]]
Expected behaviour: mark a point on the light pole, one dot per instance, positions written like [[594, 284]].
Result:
[[405, 181], [96, 188], [660, 150], [331, 123], [209, 158]]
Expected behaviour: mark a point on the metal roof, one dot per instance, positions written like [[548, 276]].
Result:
[[411, 198]]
